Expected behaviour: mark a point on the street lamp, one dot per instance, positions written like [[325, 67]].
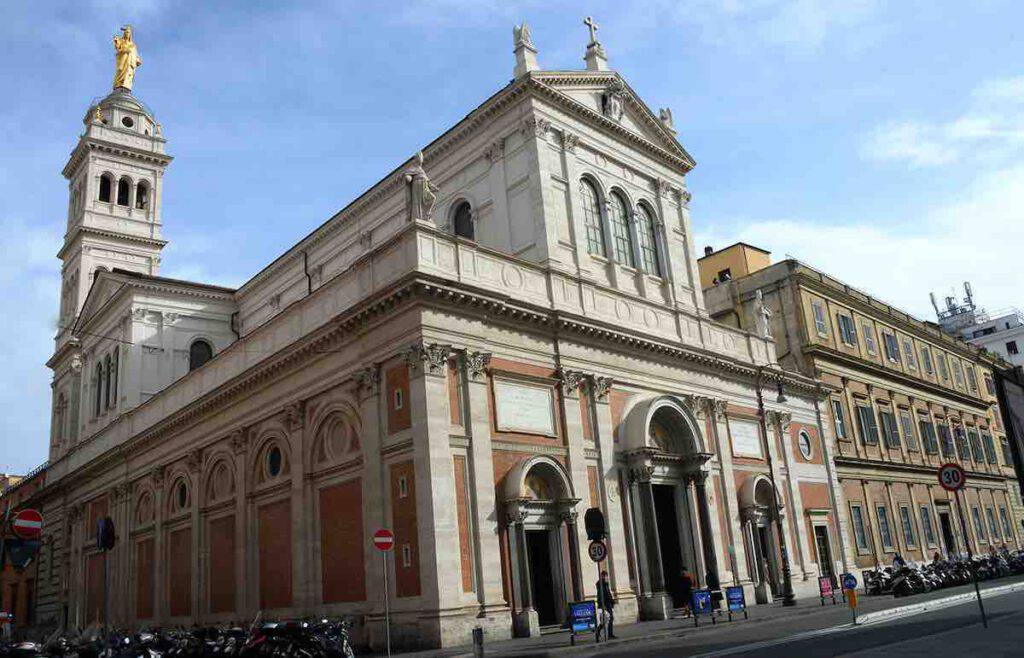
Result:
[[787, 577]]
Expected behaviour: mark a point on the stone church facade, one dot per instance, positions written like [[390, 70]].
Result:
[[503, 332]]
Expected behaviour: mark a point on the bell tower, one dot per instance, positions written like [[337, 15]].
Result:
[[115, 186]]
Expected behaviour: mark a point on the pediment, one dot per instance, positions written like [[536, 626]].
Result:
[[104, 287], [607, 94]]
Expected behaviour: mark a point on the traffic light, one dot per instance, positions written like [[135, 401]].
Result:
[[593, 521], [105, 538]]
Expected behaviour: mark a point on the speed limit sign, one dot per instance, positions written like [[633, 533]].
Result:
[[598, 551], [951, 477]]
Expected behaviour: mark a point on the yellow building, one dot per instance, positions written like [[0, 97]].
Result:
[[910, 398], [733, 262]]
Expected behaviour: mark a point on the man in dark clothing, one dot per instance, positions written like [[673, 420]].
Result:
[[685, 587], [606, 602]]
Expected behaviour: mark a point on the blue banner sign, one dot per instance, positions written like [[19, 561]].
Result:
[[701, 604], [736, 599], [583, 615]]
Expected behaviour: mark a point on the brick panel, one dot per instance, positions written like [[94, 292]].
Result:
[[275, 556], [222, 564], [94, 587], [144, 569], [592, 484], [403, 513], [396, 381], [342, 542], [179, 572], [462, 511]]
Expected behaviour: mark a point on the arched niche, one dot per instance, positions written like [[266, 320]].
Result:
[[663, 424]]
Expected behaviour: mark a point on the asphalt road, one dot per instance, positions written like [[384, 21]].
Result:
[[953, 631]]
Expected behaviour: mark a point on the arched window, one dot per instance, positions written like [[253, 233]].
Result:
[[592, 218], [622, 241], [124, 189], [462, 220], [199, 353], [98, 406], [648, 241], [106, 183], [106, 382], [142, 195], [112, 379]]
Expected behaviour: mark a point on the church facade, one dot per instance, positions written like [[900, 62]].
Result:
[[505, 331]]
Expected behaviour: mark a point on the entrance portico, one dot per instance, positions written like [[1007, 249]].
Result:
[[667, 465], [543, 544]]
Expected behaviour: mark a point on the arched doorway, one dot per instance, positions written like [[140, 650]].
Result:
[[543, 546], [665, 454], [755, 498]]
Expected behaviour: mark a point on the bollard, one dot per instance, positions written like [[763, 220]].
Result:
[[478, 643]]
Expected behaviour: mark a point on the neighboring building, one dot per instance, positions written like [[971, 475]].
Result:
[[17, 586], [999, 332], [8, 480], [908, 398], [733, 262], [498, 335]]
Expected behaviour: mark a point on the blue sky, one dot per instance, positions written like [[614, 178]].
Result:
[[880, 141]]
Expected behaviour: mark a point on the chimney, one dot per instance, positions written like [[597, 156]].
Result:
[[708, 250]]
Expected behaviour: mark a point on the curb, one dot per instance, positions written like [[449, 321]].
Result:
[[935, 604]]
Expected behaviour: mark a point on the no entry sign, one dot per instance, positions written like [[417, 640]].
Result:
[[384, 539], [951, 477], [27, 524]]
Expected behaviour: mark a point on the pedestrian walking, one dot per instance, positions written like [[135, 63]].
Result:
[[606, 602], [686, 582]]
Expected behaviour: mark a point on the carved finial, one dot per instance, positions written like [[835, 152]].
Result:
[[525, 51]]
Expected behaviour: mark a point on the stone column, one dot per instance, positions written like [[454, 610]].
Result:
[[375, 495], [569, 518], [707, 541], [295, 417], [656, 604], [159, 553], [525, 622], [437, 519], [480, 484]]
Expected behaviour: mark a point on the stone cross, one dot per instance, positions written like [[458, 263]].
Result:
[[589, 22]]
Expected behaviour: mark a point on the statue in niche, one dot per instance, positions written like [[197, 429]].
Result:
[[613, 100], [763, 316], [421, 194], [126, 60]]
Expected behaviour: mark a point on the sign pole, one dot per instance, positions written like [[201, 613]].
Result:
[[106, 605], [970, 557], [387, 609]]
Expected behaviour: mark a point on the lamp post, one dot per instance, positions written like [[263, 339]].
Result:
[[787, 577]]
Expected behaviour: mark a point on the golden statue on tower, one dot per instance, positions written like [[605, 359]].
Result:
[[126, 60]]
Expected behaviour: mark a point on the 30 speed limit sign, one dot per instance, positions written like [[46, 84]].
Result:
[[598, 551], [951, 477]]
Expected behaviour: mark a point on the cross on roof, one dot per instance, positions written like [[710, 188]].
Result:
[[589, 22]]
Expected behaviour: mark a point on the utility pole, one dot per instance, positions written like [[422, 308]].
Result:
[[788, 599]]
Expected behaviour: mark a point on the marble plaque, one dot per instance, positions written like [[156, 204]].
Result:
[[746, 438], [527, 408]]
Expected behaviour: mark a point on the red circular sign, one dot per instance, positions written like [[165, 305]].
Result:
[[952, 477], [27, 524], [384, 539]]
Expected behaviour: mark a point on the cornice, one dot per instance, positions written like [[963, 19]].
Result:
[[890, 467], [87, 144], [91, 230], [855, 363]]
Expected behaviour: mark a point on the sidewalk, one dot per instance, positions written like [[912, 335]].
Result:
[[557, 643]]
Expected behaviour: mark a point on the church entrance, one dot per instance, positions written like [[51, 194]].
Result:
[[543, 575], [668, 536]]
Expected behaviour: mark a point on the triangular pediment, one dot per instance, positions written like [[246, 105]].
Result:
[[590, 89], [103, 288]]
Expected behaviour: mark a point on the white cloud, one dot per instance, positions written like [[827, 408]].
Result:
[[990, 128], [977, 237]]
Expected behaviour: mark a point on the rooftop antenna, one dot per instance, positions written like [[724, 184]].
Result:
[[935, 304], [969, 299]]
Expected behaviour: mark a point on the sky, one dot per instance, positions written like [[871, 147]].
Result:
[[878, 141]]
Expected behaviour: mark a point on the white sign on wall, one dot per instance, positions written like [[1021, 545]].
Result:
[[746, 438], [525, 408]]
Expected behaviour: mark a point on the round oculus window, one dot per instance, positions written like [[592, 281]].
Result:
[[127, 122], [274, 462], [804, 442]]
